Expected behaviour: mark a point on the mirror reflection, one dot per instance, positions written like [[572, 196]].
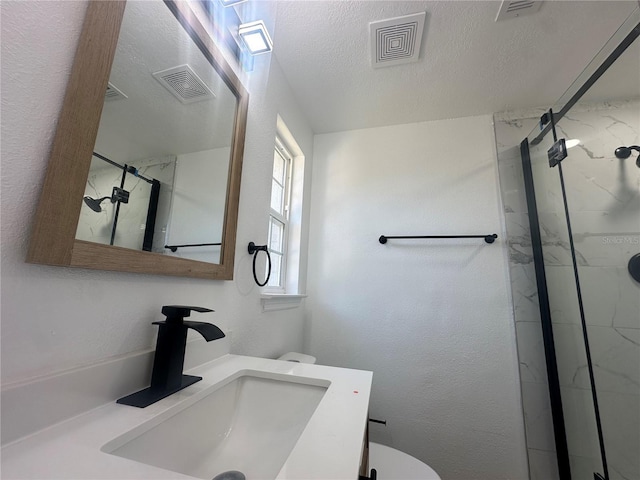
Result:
[[160, 168]]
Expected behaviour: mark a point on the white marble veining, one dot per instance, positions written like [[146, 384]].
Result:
[[511, 130], [580, 424], [618, 412], [512, 183], [603, 195], [533, 366], [563, 296], [132, 217], [537, 408], [555, 240], [525, 293], [533, 377], [605, 239], [616, 359], [519, 239], [614, 306], [571, 356]]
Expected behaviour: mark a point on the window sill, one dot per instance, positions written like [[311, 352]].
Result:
[[280, 301]]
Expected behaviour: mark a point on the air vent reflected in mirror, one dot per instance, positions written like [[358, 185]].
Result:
[[184, 84], [113, 93], [517, 8]]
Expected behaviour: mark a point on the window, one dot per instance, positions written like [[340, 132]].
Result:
[[279, 215], [287, 283]]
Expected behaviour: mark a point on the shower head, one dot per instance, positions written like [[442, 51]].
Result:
[[117, 195], [94, 204], [625, 152]]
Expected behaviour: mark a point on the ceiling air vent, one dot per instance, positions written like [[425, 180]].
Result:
[[516, 8], [184, 84], [397, 40], [113, 93]]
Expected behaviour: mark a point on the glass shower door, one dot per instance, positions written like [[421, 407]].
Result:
[[585, 231], [603, 197], [567, 363]]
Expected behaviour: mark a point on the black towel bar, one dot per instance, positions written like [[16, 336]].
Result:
[[174, 248], [487, 238]]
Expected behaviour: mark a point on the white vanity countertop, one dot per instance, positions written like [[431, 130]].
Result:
[[330, 447]]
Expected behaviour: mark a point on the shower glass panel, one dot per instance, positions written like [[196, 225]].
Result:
[[603, 195], [121, 219], [575, 392], [133, 215], [588, 209]]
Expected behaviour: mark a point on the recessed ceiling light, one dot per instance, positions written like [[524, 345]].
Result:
[[574, 142], [256, 37]]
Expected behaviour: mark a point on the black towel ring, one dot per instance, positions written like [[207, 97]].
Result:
[[253, 250]]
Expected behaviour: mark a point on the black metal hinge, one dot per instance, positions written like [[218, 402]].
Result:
[[544, 119], [557, 152]]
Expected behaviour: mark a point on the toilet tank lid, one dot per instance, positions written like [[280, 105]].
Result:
[[297, 357]]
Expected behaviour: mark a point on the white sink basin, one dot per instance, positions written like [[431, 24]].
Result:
[[249, 422], [246, 414]]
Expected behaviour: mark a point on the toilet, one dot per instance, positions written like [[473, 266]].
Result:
[[389, 463], [392, 464]]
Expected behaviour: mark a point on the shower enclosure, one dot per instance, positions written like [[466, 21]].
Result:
[[574, 245], [122, 203]]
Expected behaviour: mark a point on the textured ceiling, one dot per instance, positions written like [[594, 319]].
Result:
[[151, 121], [469, 64]]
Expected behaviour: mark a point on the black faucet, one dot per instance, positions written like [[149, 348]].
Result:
[[167, 377]]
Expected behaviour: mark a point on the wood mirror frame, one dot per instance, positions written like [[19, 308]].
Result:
[[53, 239]]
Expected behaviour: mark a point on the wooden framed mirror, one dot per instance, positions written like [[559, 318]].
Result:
[[56, 237]]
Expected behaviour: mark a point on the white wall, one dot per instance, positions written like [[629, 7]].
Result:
[[431, 318], [56, 318], [197, 206]]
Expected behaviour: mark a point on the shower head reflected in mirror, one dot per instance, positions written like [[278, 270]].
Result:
[[117, 195], [94, 204], [625, 152]]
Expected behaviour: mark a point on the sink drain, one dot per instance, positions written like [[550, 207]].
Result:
[[230, 475]]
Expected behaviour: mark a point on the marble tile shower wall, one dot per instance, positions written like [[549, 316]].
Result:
[[96, 227], [603, 194], [533, 377]]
